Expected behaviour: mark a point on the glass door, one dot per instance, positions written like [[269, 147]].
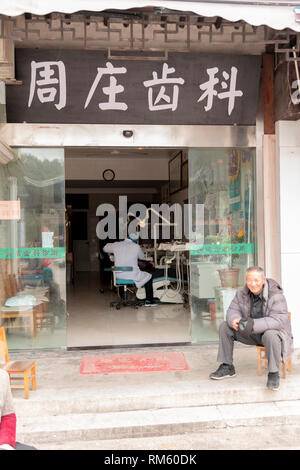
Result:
[[222, 180], [32, 249]]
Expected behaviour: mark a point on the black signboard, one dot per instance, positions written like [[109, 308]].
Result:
[[70, 86], [287, 91]]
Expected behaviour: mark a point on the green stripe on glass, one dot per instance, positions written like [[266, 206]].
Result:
[[222, 249], [30, 253]]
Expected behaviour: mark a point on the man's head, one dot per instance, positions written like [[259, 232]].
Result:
[[255, 279]]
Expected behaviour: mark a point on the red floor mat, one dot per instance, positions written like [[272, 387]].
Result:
[[126, 363]]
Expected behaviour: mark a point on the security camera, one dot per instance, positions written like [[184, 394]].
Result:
[[127, 133]]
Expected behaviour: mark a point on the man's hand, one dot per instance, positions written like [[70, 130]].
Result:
[[235, 323]]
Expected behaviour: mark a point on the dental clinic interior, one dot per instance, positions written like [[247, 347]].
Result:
[[151, 106]]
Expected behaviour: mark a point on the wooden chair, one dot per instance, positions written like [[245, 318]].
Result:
[[261, 356], [16, 368], [31, 317], [14, 286], [12, 317]]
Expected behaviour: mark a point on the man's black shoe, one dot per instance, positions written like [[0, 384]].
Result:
[[273, 381], [224, 371]]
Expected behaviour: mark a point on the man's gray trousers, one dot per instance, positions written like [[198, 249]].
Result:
[[270, 339]]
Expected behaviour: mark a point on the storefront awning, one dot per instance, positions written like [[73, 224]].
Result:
[[275, 14]]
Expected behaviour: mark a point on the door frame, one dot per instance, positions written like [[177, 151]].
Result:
[[113, 136]]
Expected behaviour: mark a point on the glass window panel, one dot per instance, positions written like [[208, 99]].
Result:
[[223, 180], [32, 249]]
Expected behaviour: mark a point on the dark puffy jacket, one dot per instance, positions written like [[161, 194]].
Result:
[[275, 313]]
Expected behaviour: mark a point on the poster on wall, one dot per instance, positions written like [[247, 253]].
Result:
[[234, 164], [10, 210], [87, 87]]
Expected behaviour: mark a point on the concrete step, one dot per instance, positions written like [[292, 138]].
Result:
[[75, 408], [231, 438], [156, 422], [123, 396]]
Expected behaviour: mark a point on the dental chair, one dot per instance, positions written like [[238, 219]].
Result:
[[125, 302], [164, 280]]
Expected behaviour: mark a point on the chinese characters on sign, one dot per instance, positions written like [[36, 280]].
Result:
[[162, 100], [45, 88], [84, 87], [22, 253], [161, 96], [210, 91], [110, 91]]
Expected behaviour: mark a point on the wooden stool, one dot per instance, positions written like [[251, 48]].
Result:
[[16, 368], [262, 357]]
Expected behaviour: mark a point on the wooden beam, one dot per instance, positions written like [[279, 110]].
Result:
[[268, 87], [271, 209]]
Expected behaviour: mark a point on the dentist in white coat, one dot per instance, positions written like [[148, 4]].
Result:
[[126, 254]]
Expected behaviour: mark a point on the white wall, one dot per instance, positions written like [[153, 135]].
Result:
[[288, 153], [124, 168]]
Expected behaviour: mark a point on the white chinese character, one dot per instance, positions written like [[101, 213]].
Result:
[[162, 96], [295, 98], [231, 94], [210, 91], [112, 90], [209, 86], [47, 84]]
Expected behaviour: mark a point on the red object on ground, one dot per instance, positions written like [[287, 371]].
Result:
[[127, 363], [8, 429]]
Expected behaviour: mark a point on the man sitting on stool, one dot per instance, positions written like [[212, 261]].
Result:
[[127, 253], [257, 315]]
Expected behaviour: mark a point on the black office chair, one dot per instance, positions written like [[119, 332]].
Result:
[[123, 301]]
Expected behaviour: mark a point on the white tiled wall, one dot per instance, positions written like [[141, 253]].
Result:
[[288, 152]]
